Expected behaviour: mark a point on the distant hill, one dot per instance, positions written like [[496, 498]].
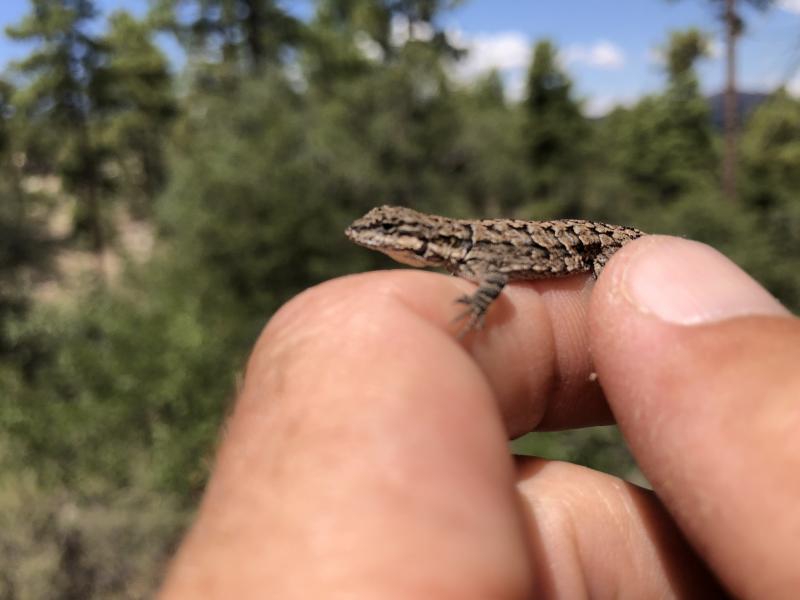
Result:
[[748, 102]]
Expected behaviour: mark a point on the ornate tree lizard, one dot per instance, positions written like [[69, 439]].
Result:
[[491, 252]]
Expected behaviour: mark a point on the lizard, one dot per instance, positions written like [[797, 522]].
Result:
[[490, 252]]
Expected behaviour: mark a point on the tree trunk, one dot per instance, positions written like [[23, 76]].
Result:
[[96, 220], [254, 26], [730, 113], [90, 189]]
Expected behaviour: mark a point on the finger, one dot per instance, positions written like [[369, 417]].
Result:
[[532, 348], [594, 535], [699, 365], [359, 397], [365, 458]]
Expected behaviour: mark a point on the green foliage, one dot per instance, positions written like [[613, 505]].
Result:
[[24, 251], [555, 134], [242, 36], [55, 544], [771, 155], [389, 133], [719, 7], [96, 109], [493, 178], [601, 448], [662, 149], [95, 388], [255, 164], [114, 395], [63, 97], [140, 93], [771, 151], [682, 52], [383, 21]]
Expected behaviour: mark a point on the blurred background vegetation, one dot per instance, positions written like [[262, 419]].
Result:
[[153, 217]]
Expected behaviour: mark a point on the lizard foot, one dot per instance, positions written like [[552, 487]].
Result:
[[478, 303], [475, 313]]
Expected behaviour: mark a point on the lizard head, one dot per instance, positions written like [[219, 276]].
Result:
[[408, 236]]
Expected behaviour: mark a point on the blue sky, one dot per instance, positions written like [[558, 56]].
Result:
[[609, 48]]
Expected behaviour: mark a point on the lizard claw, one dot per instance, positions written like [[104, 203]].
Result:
[[475, 312], [464, 299]]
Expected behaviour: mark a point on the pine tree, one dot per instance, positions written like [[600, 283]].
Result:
[[13, 207], [771, 149], [63, 98], [771, 161], [394, 111], [347, 38], [387, 22], [733, 23], [142, 108], [663, 147], [240, 36], [491, 151], [555, 133], [18, 247], [688, 145]]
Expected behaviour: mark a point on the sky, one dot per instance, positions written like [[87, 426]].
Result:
[[610, 48]]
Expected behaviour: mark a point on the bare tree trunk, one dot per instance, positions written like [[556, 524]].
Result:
[[254, 32], [96, 223], [15, 179], [730, 113], [77, 576], [90, 188]]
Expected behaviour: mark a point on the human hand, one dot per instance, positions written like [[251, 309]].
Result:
[[367, 453]]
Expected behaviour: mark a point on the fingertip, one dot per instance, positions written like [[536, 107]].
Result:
[[683, 282], [592, 531], [698, 363]]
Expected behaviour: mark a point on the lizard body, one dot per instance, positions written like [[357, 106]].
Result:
[[491, 252]]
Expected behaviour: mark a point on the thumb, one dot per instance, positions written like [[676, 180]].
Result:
[[701, 367]]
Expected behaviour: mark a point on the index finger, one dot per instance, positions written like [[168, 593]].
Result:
[[359, 407], [532, 350]]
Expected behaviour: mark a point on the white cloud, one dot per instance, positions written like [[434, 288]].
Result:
[[715, 46], [510, 51], [770, 80], [369, 48], [600, 105], [295, 76], [793, 85], [402, 31], [655, 56], [792, 6], [602, 55], [515, 85], [504, 51]]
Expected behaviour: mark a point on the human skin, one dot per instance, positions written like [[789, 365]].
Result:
[[367, 455]]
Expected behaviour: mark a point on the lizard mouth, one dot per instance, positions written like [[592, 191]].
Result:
[[357, 236], [406, 257]]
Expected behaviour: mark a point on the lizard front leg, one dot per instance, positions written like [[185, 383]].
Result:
[[599, 261], [489, 288]]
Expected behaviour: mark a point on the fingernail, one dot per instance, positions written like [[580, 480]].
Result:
[[689, 283]]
